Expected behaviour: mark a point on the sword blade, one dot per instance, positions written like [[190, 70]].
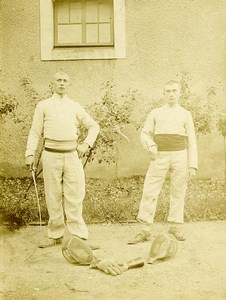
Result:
[[37, 196]]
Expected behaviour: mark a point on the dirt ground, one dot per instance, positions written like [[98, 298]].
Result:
[[198, 271]]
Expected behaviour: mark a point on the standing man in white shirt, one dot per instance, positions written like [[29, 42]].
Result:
[[57, 118], [169, 137]]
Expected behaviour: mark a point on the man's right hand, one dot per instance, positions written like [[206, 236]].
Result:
[[153, 150], [29, 162]]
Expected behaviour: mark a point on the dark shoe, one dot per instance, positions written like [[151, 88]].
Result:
[[51, 242], [141, 237], [176, 233]]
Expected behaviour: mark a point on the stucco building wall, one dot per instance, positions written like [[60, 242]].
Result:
[[1, 34], [163, 39]]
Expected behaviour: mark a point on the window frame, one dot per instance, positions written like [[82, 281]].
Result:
[[49, 52], [83, 23]]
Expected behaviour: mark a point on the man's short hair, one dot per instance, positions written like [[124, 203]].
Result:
[[61, 73], [171, 82]]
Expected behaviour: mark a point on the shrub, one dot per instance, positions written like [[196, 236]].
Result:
[[8, 105], [113, 200], [113, 113], [202, 109], [205, 200], [221, 127], [20, 204]]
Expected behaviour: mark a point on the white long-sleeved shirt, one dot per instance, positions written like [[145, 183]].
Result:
[[171, 120], [58, 119]]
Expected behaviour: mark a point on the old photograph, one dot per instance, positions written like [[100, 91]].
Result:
[[112, 150]]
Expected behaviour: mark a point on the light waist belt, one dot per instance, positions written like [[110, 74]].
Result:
[[58, 150], [170, 142]]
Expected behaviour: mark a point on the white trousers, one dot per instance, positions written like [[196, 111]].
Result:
[[176, 162], [64, 180]]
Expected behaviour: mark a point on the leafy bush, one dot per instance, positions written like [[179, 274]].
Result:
[[221, 124], [113, 200], [221, 127], [8, 105], [20, 204], [205, 200], [202, 109], [113, 114]]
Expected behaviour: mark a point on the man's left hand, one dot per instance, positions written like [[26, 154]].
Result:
[[82, 148], [192, 173]]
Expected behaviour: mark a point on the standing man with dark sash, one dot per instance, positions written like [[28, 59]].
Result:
[[169, 137], [58, 118]]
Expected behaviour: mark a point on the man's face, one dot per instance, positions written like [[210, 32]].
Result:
[[60, 84], [172, 93]]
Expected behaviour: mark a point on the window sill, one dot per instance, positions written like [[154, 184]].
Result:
[[79, 53]]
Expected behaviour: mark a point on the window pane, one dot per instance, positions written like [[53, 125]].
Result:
[[91, 12], [82, 22], [104, 33], [91, 33], [76, 12], [104, 12], [63, 11], [69, 34]]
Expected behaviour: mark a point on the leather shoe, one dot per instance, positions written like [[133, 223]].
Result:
[[51, 242]]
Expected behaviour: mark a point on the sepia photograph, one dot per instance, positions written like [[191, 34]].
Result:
[[112, 150]]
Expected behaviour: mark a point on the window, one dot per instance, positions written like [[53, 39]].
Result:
[[82, 29], [83, 23]]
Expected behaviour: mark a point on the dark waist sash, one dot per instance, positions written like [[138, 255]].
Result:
[[58, 150], [170, 142]]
